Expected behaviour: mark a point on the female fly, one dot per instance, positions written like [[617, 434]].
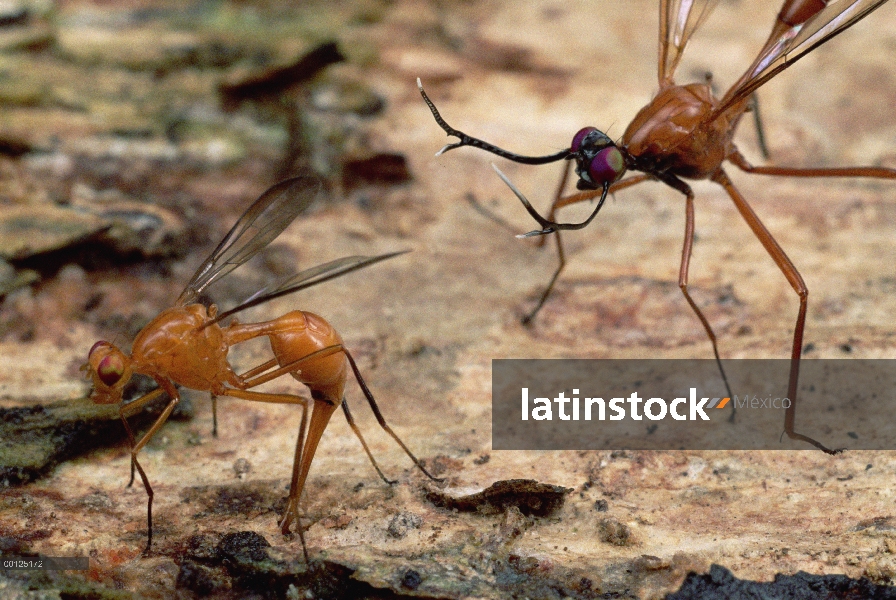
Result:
[[187, 345]]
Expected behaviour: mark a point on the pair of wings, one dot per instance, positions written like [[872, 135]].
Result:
[[812, 23], [256, 228]]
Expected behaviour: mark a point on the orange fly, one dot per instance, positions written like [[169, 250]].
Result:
[[187, 345], [685, 132]]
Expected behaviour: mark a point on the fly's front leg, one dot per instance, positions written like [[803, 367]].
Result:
[[592, 194], [131, 408], [687, 247], [239, 382], [558, 203], [561, 256], [165, 386]]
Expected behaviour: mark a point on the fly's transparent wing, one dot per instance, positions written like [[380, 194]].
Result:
[[256, 228], [308, 278], [679, 19], [795, 43]]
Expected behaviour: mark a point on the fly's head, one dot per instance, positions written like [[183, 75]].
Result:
[[598, 160], [110, 369]]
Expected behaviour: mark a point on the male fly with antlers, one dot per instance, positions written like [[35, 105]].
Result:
[[686, 132]]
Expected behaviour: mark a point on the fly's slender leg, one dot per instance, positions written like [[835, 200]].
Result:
[[592, 194], [561, 264], [214, 415], [381, 420], [796, 282], [560, 202], [168, 388], [305, 449], [259, 369], [354, 426], [741, 162], [760, 130], [149, 494], [687, 247], [561, 255], [129, 409], [287, 368]]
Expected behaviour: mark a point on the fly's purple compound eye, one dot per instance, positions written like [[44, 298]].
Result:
[[99, 344], [110, 369], [579, 137], [606, 166]]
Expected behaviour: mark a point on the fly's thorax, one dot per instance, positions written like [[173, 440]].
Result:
[[183, 345], [169, 331], [675, 133]]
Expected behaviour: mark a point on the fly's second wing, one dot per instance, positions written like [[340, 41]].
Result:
[[306, 279], [815, 22], [256, 228]]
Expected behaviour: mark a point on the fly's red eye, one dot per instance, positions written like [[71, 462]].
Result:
[[606, 166], [99, 344], [110, 369], [579, 137]]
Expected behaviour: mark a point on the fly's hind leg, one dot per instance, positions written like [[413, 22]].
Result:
[[382, 421], [796, 282], [306, 445], [354, 426]]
